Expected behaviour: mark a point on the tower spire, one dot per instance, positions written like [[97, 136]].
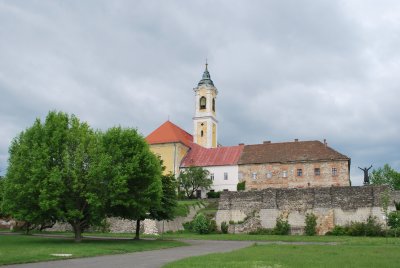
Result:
[[206, 79]]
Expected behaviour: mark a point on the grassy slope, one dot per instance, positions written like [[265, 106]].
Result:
[[360, 252], [21, 248]]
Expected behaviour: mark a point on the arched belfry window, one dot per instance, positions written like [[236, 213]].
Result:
[[213, 104], [203, 102]]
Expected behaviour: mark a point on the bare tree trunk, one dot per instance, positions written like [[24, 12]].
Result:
[[78, 232], [137, 230]]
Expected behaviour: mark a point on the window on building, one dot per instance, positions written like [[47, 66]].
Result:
[[299, 172], [226, 190], [225, 175], [240, 175], [254, 175], [202, 133], [334, 171], [212, 176], [213, 104], [317, 171], [269, 175], [212, 190], [284, 173], [203, 102]]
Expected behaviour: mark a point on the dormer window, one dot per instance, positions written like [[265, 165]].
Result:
[[203, 102]]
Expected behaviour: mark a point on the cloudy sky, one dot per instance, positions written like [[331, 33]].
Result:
[[284, 69]]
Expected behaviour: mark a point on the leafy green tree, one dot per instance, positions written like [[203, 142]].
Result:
[[78, 163], [166, 208], [135, 175], [193, 179], [386, 175], [23, 195], [56, 172]]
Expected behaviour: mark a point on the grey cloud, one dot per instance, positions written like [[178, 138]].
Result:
[[284, 69]]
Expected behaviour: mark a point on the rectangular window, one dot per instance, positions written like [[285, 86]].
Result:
[[284, 173], [225, 175], [254, 175], [212, 176], [268, 175], [334, 171], [299, 172], [226, 190], [317, 171]]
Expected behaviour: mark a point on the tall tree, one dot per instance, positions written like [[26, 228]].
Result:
[[193, 179], [166, 208], [57, 172], [26, 173], [386, 175], [135, 177]]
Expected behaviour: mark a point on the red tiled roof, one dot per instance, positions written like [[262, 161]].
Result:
[[288, 152], [169, 132], [221, 156]]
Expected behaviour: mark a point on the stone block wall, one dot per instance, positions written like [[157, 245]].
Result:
[[276, 176], [332, 206]]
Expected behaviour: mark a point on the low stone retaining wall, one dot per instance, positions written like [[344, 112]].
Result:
[[332, 206]]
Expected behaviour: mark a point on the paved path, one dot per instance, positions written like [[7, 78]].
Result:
[[145, 259]]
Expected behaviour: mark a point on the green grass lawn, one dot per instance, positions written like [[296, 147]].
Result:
[[26, 248], [359, 252]]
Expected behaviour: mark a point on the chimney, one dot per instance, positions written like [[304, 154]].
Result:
[[325, 143], [241, 143], [296, 140], [266, 142]]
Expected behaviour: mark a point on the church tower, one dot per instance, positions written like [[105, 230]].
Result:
[[204, 120]]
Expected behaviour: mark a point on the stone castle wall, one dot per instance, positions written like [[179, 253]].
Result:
[[332, 206], [278, 175]]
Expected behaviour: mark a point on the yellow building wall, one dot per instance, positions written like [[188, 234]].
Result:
[[171, 154], [202, 140], [214, 135]]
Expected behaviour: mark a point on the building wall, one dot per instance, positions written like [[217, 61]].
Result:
[[276, 178], [172, 155], [219, 183], [332, 206]]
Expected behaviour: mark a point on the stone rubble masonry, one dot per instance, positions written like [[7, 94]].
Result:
[[308, 178], [332, 206], [120, 225]]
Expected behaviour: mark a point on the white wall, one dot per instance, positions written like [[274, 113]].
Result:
[[219, 184]]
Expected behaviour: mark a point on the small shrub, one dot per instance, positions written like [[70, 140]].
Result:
[[212, 226], [201, 224], [224, 227], [231, 222], [338, 231], [373, 227], [262, 231], [213, 194], [356, 229], [241, 186], [395, 232], [188, 226], [282, 226], [311, 224], [394, 219]]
